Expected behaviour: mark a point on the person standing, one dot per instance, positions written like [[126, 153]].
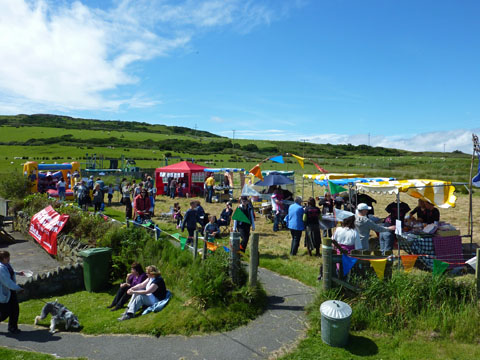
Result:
[[190, 221], [243, 227], [110, 191], [8, 293], [363, 225], [294, 220], [209, 183], [97, 197], [127, 201], [83, 195], [312, 218], [173, 188], [277, 208], [61, 188], [141, 206]]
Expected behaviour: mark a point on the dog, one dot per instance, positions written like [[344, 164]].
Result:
[[59, 314]]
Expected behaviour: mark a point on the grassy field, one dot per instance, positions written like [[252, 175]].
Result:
[[28, 355]]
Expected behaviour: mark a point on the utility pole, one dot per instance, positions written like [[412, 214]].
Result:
[[368, 139], [195, 133], [233, 139], [304, 141]]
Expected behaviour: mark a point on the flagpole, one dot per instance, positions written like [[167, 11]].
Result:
[[470, 207]]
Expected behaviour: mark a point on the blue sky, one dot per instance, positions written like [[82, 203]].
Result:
[[399, 74]]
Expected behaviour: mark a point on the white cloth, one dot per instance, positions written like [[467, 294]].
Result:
[[347, 236]]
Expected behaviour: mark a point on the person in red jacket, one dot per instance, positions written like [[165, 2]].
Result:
[[142, 205]]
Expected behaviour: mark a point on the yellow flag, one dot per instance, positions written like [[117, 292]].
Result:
[[300, 160], [408, 261], [257, 171], [379, 267]]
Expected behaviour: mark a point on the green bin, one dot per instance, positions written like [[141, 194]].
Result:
[[96, 268]]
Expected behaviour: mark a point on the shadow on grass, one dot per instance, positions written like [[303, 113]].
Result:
[[361, 346], [272, 256]]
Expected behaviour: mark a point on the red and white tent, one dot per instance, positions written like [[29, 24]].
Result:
[[192, 174]]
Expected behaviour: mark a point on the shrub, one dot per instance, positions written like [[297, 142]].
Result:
[[14, 186]]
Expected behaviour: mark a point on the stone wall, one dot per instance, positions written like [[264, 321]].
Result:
[[62, 280], [66, 278]]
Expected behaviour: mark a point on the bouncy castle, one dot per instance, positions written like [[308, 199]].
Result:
[[44, 177]]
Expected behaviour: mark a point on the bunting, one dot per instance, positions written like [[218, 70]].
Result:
[[299, 159], [335, 189], [347, 263], [379, 267], [211, 246], [278, 159], [240, 216], [439, 267], [257, 171], [183, 242], [408, 262], [322, 170], [476, 178]]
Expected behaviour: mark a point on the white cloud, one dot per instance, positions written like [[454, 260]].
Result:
[[62, 56], [217, 119]]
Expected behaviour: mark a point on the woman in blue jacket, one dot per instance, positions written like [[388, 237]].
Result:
[[294, 221]]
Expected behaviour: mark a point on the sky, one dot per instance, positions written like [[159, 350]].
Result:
[[401, 74]]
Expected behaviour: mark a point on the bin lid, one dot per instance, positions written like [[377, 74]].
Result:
[[335, 309], [94, 251]]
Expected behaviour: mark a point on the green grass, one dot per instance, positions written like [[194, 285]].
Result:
[[11, 354]]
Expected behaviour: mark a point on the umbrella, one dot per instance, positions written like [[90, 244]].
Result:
[[274, 179]]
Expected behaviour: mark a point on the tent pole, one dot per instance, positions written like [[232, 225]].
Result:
[[303, 187], [398, 217], [313, 193], [470, 209]]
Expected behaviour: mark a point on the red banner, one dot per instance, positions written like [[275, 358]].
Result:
[[45, 226]]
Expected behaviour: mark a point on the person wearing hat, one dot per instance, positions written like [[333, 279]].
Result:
[[363, 225], [147, 293]]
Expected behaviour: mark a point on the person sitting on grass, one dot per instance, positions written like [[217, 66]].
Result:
[[147, 293], [211, 229], [135, 277], [190, 221]]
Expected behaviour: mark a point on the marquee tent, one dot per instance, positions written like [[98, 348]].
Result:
[[193, 174]]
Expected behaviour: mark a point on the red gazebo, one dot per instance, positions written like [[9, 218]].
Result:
[[193, 175]]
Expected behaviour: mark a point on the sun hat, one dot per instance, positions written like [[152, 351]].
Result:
[[363, 206]]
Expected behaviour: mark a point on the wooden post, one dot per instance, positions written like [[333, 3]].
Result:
[[327, 263], [254, 257], [195, 244], [204, 252], [235, 257], [477, 273]]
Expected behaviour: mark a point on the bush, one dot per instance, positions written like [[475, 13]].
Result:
[[14, 186]]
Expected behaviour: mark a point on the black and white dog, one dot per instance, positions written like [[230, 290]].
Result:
[[59, 314]]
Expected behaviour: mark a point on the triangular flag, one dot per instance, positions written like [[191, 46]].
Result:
[[439, 267], [211, 246], [240, 216], [300, 159], [347, 263], [226, 249], [278, 159], [379, 267], [334, 188], [476, 178], [176, 236], [408, 261], [257, 171], [320, 168], [183, 242]]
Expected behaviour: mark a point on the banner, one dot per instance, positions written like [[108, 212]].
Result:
[[408, 262], [335, 189], [278, 159], [319, 167], [379, 267], [257, 171], [240, 216], [45, 226]]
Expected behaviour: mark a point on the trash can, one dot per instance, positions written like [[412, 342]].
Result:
[[96, 268], [336, 317]]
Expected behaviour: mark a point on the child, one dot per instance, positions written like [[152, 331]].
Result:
[[110, 191], [177, 214], [190, 221], [211, 229]]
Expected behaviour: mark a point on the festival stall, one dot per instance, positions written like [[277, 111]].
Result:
[[224, 181], [432, 243], [191, 176]]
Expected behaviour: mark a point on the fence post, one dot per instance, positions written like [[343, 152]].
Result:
[[156, 233], [235, 257], [195, 244], [477, 274], [204, 253], [327, 263], [254, 257], [128, 223]]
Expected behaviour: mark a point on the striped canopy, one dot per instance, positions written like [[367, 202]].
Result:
[[350, 181], [331, 176], [437, 192]]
